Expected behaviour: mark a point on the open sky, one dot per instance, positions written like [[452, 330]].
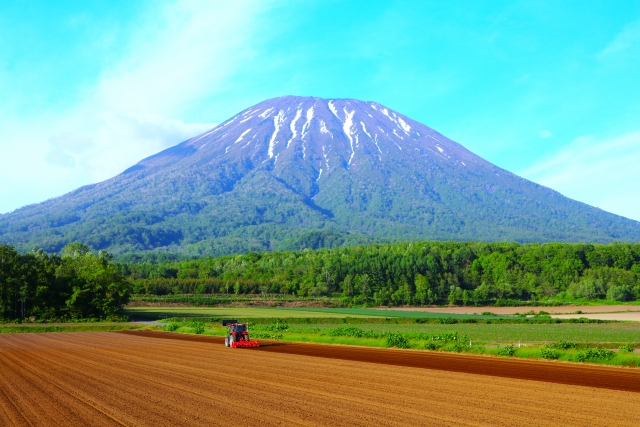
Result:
[[549, 90]]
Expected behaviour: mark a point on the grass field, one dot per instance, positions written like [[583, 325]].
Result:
[[494, 334], [420, 330], [508, 333], [155, 313], [371, 312], [580, 342]]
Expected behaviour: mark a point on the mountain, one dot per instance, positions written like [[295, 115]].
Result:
[[295, 172]]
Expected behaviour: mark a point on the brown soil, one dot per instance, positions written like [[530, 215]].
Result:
[[633, 316], [567, 309], [78, 379]]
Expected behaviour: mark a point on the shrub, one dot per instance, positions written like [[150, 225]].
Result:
[[430, 345], [508, 350], [459, 346], [487, 313], [352, 331], [564, 345], [278, 327], [626, 348], [198, 327], [594, 354], [396, 339], [447, 320], [444, 336], [267, 336], [469, 321], [586, 320], [171, 327], [547, 352]]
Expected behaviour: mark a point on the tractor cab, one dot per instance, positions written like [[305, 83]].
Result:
[[238, 328]]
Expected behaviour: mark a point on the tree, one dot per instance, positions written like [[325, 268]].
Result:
[[422, 289], [347, 285], [97, 288]]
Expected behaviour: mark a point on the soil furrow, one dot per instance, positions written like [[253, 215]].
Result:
[[24, 369], [145, 379], [506, 406]]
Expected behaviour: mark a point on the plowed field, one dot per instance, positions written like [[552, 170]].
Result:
[[79, 379]]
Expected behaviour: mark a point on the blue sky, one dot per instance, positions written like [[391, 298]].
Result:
[[548, 90]]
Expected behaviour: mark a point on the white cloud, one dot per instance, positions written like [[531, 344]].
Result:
[[59, 158], [545, 133], [624, 40], [71, 141], [182, 54], [600, 172]]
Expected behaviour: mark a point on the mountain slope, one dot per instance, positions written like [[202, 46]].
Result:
[[271, 175]]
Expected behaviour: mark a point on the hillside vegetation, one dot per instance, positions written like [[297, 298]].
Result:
[[410, 273]]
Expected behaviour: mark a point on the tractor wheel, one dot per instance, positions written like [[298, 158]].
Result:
[[226, 341]]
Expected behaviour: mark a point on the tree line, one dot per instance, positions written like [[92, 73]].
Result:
[[410, 273], [74, 285]]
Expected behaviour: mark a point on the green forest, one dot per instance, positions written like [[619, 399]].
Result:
[[423, 273], [75, 285], [78, 284]]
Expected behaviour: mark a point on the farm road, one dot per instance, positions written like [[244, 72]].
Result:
[[78, 379]]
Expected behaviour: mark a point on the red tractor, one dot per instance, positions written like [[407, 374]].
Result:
[[238, 335]]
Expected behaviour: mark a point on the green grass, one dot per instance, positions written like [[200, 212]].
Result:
[[82, 327], [493, 334], [509, 332], [167, 312], [231, 312], [371, 312], [484, 338]]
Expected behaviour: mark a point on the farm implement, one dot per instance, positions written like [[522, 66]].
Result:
[[238, 335]]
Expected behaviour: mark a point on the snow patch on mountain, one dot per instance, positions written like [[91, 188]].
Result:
[[324, 153], [277, 122], [307, 124], [364, 128], [266, 112], [323, 128], [242, 135], [292, 126], [348, 123], [333, 109], [404, 125]]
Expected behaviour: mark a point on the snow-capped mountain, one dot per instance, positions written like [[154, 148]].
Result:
[[306, 171]]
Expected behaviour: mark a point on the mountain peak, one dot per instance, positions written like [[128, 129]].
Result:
[[323, 136]]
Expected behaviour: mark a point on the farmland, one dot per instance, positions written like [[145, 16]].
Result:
[[489, 333], [510, 333], [106, 379], [612, 343], [164, 312]]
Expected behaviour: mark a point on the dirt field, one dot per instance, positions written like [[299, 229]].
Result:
[[78, 379], [513, 310], [627, 316]]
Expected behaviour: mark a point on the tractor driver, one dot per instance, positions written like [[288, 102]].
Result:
[[238, 328]]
